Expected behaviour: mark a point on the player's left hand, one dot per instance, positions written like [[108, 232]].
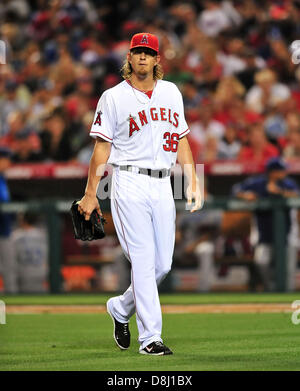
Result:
[[193, 192]]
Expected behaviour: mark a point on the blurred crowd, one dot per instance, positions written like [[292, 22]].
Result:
[[232, 60]]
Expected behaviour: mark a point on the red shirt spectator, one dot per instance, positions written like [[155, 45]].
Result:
[[259, 149], [16, 122]]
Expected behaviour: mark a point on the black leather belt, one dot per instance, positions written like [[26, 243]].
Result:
[[162, 173]]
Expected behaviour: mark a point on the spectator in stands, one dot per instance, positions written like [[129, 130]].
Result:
[[215, 18], [191, 95], [235, 111], [31, 247], [79, 105], [17, 129], [150, 9], [24, 150], [55, 138], [253, 63], [281, 58], [276, 127], [273, 184], [35, 68], [206, 126], [292, 19], [85, 153], [295, 88], [42, 101], [64, 70], [229, 146], [228, 89], [176, 73], [238, 114], [7, 254], [61, 54], [20, 8], [292, 149], [209, 152], [10, 102], [231, 58], [267, 92], [192, 42], [209, 70], [205, 133], [228, 95], [259, 149], [292, 122], [15, 124]]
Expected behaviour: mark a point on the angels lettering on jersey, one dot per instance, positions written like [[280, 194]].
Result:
[[157, 114]]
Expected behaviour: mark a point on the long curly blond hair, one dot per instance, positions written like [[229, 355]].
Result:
[[126, 71]]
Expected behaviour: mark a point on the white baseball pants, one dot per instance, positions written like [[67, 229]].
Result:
[[8, 265], [143, 212]]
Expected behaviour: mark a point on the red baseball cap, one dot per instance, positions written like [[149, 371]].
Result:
[[145, 40]]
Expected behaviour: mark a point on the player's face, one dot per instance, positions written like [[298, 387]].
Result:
[[277, 175], [143, 60]]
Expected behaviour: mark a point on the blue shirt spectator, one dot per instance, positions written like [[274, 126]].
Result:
[[273, 184], [5, 219]]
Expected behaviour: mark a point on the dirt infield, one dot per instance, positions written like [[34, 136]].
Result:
[[167, 309]]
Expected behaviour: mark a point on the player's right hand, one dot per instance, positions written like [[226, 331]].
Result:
[[87, 204]]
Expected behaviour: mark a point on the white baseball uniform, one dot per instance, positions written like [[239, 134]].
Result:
[[31, 248], [144, 131]]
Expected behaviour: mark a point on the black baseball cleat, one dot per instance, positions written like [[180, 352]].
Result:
[[156, 348], [121, 331]]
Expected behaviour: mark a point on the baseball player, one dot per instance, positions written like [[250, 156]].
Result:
[[275, 183], [8, 266], [140, 129], [31, 249]]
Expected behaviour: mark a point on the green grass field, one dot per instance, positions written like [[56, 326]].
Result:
[[220, 342], [183, 298]]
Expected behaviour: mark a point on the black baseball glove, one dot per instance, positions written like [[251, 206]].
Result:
[[91, 229]]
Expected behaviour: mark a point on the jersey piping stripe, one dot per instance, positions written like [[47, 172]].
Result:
[[184, 133], [132, 280], [103, 135]]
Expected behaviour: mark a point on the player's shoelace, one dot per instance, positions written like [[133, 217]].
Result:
[[125, 329]]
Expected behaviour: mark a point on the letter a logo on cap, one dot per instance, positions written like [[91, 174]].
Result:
[[144, 39]]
